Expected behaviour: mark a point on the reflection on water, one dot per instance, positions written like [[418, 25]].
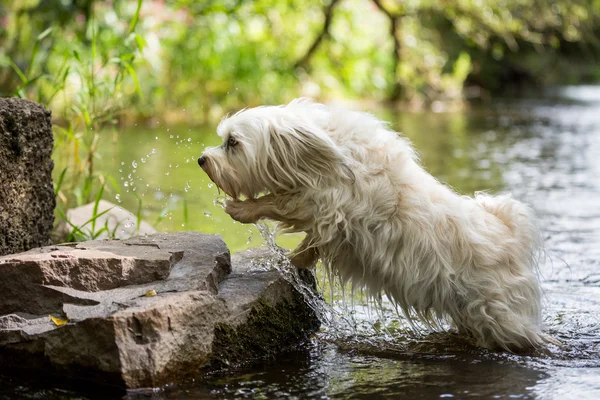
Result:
[[322, 370], [545, 149]]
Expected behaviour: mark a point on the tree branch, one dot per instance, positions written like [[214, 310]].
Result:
[[394, 26], [328, 11]]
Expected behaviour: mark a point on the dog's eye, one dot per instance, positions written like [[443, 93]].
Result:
[[231, 142]]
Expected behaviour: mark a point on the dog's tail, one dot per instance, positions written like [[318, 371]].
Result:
[[521, 221], [526, 250]]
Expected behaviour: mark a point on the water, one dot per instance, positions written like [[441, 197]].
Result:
[[545, 149]]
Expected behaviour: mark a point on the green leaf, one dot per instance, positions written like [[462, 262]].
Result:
[[132, 73], [27, 83], [16, 68], [136, 17], [141, 42], [42, 35], [60, 181], [96, 204], [185, 213]]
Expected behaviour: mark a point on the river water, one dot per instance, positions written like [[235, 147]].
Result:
[[543, 148]]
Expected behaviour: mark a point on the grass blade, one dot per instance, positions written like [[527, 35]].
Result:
[[60, 181], [185, 214], [136, 17], [96, 204], [133, 75]]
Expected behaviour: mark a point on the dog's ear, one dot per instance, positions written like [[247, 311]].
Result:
[[304, 155]]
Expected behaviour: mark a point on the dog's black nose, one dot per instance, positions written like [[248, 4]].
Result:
[[201, 161]]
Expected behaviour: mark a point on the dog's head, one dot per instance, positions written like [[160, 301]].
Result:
[[271, 149]]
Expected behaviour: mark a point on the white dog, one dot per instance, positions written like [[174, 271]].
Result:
[[380, 221]]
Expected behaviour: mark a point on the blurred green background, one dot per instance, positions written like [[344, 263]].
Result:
[[124, 78]]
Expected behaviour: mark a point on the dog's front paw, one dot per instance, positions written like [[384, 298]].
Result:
[[241, 211]]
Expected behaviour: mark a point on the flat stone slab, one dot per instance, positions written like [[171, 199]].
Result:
[[145, 311]]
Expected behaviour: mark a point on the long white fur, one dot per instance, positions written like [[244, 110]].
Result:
[[385, 225]]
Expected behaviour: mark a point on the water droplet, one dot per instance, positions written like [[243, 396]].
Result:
[[134, 164], [153, 151], [122, 162], [128, 224], [189, 139], [207, 214], [126, 184], [220, 201], [143, 160], [210, 185], [166, 173], [118, 197], [156, 137], [171, 136]]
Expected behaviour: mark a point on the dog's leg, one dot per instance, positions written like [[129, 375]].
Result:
[[305, 255], [283, 208]]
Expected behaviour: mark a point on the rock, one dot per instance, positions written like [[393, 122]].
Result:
[[122, 224], [145, 311], [265, 310], [26, 192]]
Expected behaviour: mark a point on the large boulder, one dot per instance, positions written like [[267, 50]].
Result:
[[145, 311], [26, 193]]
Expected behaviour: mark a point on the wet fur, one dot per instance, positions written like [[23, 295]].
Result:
[[382, 223]]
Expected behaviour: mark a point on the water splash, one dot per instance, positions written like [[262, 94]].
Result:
[[337, 321], [220, 201]]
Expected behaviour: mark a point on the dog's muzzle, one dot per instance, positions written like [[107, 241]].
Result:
[[202, 161]]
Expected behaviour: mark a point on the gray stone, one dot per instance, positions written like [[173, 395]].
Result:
[[26, 192], [121, 224], [145, 311]]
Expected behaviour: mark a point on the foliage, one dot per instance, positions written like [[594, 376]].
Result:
[[100, 63], [84, 71], [209, 57]]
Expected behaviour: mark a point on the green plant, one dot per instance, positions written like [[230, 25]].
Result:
[[89, 229], [84, 82]]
